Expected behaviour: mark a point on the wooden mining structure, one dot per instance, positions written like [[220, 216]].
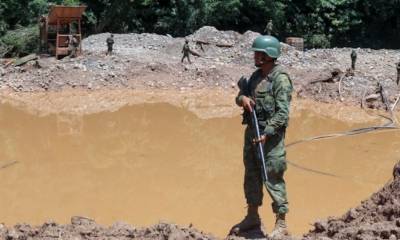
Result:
[[58, 27]]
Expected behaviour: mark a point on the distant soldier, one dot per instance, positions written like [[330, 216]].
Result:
[[269, 27], [73, 44], [110, 43], [186, 51], [353, 56], [398, 73]]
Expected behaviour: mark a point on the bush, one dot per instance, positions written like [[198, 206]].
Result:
[[20, 42], [317, 41]]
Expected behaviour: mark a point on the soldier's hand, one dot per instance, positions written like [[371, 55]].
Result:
[[262, 139], [248, 103]]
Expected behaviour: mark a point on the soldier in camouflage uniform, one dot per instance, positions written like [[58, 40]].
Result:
[[186, 51], [398, 73], [73, 45], [269, 27], [268, 92], [353, 56], [110, 43]]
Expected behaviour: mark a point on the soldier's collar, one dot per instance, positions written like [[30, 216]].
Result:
[[272, 72]]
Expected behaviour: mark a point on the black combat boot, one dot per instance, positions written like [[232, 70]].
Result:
[[280, 229], [251, 221]]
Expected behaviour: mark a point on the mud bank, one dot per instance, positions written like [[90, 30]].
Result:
[[85, 228], [205, 103]]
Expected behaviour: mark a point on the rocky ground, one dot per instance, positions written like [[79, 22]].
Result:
[[85, 228], [150, 61]]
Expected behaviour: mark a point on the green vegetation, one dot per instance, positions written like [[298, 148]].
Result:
[[322, 23], [19, 42]]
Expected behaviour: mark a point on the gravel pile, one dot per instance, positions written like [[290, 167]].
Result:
[[148, 61]]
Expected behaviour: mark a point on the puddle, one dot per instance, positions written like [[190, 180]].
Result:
[[150, 162]]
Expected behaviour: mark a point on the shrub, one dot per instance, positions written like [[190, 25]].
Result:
[[317, 41], [21, 41]]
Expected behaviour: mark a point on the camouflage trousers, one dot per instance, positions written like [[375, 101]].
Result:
[[185, 55], [275, 157], [109, 49]]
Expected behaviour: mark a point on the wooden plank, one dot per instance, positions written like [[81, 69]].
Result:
[[385, 96], [202, 42], [57, 40], [225, 45], [67, 13], [195, 53], [23, 60], [62, 51]]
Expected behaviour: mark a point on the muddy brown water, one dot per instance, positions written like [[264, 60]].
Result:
[[151, 162]]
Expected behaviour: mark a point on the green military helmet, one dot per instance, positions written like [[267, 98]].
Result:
[[267, 44]]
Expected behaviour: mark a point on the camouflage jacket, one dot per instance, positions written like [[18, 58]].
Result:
[[272, 96], [110, 41], [186, 48], [353, 55], [268, 27]]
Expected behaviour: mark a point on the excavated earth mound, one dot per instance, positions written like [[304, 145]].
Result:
[[376, 218]]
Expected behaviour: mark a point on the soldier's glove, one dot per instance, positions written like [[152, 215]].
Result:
[[263, 138]]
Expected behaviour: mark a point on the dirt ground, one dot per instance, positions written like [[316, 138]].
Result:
[[147, 65]]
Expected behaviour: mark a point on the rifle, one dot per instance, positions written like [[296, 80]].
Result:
[[243, 85], [260, 150]]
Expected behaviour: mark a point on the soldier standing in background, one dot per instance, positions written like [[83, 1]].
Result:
[[398, 73], [186, 51], [110, 43], [353, 56], [269, 27], [73, 44]]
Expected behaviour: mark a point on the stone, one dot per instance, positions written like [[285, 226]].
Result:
[[320, 226], [78, 220]]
